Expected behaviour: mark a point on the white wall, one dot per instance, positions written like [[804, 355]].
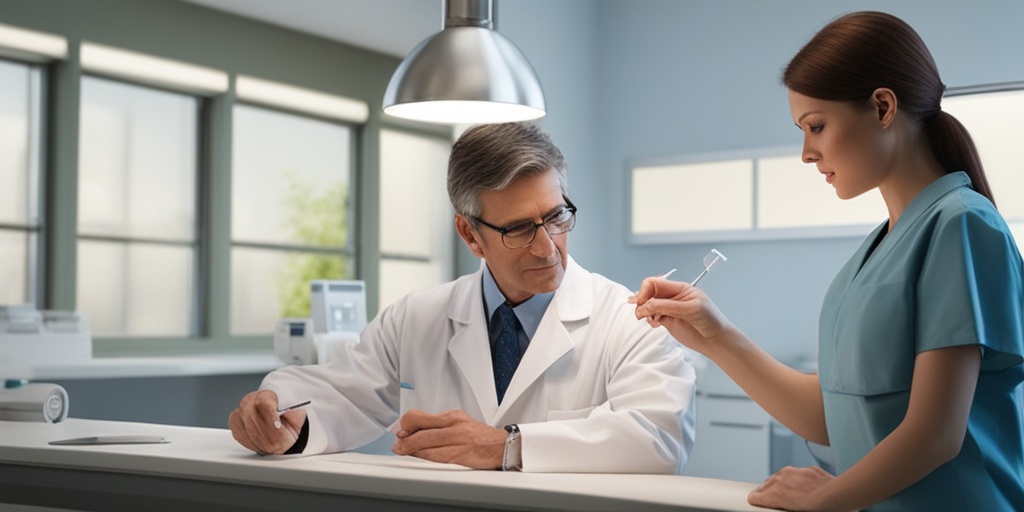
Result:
[[663, 78]]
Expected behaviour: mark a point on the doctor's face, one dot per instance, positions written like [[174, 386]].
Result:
[[537, 268]]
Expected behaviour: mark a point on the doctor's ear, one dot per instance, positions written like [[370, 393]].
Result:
[[469, 235]]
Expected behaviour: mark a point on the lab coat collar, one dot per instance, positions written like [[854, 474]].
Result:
[[470, 346]]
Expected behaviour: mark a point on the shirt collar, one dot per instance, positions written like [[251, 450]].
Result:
[[932, 193], [529, 313]]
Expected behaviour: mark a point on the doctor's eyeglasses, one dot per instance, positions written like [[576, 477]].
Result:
[[521, 235]]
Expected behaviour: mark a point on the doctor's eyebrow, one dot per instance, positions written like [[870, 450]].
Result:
[[542, 217]]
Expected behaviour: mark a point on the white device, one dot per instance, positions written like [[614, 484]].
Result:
[[29, 337], [337, 306], [293, 341], [296, 343]]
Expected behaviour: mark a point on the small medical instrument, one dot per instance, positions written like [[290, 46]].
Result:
[[661, 276], [285, 409], [709, 260], [98, 440], [666, 274]]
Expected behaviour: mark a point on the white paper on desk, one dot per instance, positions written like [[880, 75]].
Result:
[[394, 461]]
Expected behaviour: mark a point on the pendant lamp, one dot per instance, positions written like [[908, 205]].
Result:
[[466, 74]]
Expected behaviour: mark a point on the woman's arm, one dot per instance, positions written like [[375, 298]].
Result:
[[930, 435], [791, 397]]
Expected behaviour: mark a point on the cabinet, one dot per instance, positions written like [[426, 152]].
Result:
[[733, 433]]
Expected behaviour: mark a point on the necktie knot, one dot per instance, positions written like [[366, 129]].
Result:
[[505, 353]]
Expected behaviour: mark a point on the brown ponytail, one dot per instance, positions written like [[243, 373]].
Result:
[[954, 149], [860, 52]]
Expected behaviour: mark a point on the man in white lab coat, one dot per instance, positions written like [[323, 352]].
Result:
[[571, 383]]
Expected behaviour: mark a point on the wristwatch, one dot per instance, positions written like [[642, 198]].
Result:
[[512, 459]]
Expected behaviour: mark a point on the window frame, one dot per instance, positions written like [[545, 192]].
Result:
[[351, 251], [36, 264]]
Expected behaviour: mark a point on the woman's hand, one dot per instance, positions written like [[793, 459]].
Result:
[[687, 312], [791, 489]]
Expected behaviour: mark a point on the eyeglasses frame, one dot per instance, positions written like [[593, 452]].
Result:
[[504, 230]]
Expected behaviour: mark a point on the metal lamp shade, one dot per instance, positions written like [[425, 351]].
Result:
[[465, 75]]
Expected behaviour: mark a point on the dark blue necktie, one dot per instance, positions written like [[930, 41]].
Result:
[[505, 353]]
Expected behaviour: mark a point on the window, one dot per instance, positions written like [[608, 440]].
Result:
[[771, 193], [743, 195], [290, 213], [20, 121], [137, 215], [996, 121], [417, 230]]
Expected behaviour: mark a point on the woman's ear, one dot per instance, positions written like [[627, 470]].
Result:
[[469, 235], [884, 102]]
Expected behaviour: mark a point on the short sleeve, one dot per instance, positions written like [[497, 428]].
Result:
[[970, 289]]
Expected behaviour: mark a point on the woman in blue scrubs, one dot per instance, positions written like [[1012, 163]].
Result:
[[921, 335]]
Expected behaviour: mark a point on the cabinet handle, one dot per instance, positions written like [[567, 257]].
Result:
[[736, 425]]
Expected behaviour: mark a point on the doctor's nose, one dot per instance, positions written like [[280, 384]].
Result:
[[543, 245]]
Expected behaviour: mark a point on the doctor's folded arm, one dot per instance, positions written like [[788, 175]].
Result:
[[531, 363]]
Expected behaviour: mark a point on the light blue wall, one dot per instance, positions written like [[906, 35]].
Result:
[[664, 78], [642, 79]]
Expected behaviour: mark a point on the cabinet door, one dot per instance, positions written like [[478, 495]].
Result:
[[732, 440]]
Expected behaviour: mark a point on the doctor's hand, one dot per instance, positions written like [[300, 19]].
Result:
[[791, 489], [686, 311], [256, 425], [451, 437]]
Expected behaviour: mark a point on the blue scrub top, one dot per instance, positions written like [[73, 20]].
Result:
[[948, 274]]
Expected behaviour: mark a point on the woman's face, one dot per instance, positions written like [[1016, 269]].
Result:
[[849, 145]]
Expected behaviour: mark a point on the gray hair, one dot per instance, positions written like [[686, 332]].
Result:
[[492, 156]]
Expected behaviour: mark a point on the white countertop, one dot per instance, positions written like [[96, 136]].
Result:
[[156, 366], [211, 455]]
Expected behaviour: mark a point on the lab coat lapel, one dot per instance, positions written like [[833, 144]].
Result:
[[470, 346], [573, 301]]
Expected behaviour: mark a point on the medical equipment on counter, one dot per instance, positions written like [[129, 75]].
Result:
[[338, 311], [30, 338], [337, 306]]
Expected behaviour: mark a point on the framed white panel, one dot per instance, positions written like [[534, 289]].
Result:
[[692, 197], [793, 194], [996, 123]]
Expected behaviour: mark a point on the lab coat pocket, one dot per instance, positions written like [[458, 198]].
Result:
[[873, 340], [572, 414]]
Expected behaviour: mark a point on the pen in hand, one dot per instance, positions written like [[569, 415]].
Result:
[[282, 410]]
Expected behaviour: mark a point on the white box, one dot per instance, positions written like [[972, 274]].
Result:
[[337, 306], [33, 338]]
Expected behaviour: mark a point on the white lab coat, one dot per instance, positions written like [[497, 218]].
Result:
[[596, 391]]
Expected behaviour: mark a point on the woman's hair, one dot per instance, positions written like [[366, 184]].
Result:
[[492, 156], [860, 52]]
